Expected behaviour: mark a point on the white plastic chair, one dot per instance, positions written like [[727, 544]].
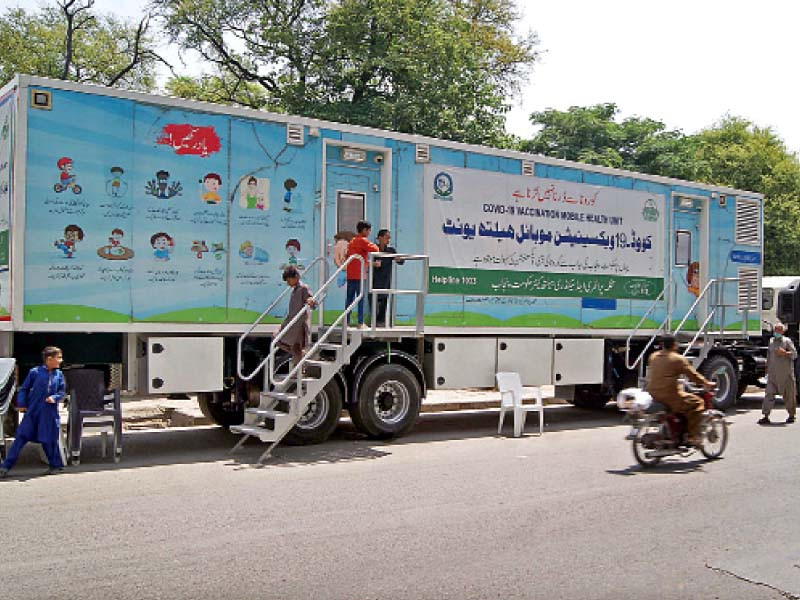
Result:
[[510, 386]]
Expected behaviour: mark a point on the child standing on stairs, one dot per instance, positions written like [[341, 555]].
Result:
[[296, 339]]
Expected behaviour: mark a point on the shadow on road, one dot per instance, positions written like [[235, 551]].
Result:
[[194, 445], [671, 466]]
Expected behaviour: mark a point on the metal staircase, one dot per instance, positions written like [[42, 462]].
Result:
[[708, 333], [282, 407]]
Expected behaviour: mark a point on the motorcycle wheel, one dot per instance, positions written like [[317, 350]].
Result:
[[640, 452], [714, 436]]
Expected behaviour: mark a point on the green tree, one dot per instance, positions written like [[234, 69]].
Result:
[[435, 67], [742, 155], [69, 41], [594, 135], [733, 152]]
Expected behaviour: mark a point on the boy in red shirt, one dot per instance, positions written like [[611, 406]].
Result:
[[355, 274]]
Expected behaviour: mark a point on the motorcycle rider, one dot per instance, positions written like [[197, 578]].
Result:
[[663, 370]]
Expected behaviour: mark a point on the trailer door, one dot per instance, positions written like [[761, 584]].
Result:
[[355, 189], [689, 262]]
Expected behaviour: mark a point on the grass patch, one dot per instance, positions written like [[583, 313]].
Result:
[[72, 313], [213, 314], [622, 322]]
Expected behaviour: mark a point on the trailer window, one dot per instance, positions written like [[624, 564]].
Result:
[[767, 298], [350, 209], [683, 248]]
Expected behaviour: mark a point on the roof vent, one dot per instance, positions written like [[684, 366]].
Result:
[[295, 134], [423, 153], [748, 225], [527, 167]]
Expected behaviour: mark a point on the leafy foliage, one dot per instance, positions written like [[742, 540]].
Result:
[[593, 135], [436, 67], [68, 41], [732, 152]]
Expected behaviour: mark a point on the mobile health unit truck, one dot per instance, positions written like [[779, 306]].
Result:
[[147, 236]]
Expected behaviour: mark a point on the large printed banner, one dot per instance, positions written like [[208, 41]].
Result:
[[493, 234], [137, 212]]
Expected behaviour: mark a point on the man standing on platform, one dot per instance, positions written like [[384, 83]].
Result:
[[382, 274]]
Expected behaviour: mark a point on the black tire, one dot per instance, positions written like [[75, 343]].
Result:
[[640, 452], [217, 406], [389, 401], [715, 436], [590, 397], [719, 369], [320, 419]]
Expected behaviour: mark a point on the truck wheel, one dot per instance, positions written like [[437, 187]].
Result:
[[388, 404], [590, 397], [217, 406], [721, 371], [320, 419]]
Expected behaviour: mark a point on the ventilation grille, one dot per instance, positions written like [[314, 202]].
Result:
[[748, 288], [423, 153], [527, 168], [295, 135], [748, 225]]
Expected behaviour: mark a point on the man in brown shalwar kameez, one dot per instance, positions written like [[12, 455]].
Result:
[[780, 374], [663, 370], [296, 339]]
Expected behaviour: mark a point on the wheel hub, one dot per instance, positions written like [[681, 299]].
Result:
[[391, 401], [315, 413]]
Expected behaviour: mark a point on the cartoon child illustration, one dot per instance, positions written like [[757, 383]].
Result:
[[162, 244], [67, 177], [252, 253], [199, 247], [693, 278], [293, 248], [72, 235], [114, 250], [115, 186], [251, 195], [116, 237], [160, 187], [211, 182], [218, 250], [289, 185]]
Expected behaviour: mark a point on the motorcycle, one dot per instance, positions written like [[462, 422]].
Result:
[[656, 432]]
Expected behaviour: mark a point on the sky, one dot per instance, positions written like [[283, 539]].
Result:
[[684, 62]]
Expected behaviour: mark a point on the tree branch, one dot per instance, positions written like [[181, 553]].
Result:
[[71, 10], [141, 30]]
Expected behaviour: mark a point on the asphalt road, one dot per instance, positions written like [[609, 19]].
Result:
[[451, 511]]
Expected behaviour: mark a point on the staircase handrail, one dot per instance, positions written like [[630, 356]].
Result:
[[249, 330], [635, 330], [317, 297], [700, 330], [392, 291], [700, 297]]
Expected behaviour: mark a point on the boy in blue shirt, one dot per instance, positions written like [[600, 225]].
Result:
[[38, 398]]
